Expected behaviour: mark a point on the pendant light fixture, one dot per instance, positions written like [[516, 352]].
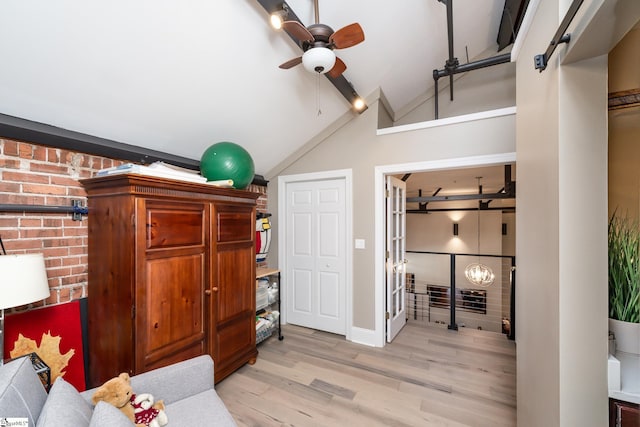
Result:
[[477, 273]]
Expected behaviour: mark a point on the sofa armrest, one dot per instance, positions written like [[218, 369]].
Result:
[[174, 382], [177, 381]]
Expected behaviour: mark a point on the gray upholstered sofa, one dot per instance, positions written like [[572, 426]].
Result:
[[186, 388]]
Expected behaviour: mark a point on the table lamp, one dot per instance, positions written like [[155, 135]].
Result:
[[23, 281]]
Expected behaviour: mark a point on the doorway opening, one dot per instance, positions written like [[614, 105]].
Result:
[[430, 228]]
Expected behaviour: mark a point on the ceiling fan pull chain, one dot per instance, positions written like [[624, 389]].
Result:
[[318, 94]]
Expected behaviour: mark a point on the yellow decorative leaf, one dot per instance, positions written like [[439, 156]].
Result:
[[48, 350]]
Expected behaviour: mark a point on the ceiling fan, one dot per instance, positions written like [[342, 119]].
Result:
[[318, 42], [280, 12]]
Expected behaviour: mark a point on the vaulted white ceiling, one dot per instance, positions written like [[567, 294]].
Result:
[[177, 76]]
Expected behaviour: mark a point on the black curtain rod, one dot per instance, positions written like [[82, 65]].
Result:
[[541, 61], [76, 209]]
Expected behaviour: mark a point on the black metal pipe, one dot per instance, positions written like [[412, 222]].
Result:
[[475, 65], [452, 62], [435, 86], [449, 5], [452, 295], [456, 69], [512, 308], [44, 209]]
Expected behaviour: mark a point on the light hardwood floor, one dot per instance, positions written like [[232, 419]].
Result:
[[429, 376]]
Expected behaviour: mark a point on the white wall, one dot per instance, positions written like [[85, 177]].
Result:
[[355, 146], [562, 216]]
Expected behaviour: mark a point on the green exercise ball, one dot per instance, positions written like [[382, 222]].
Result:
[[226, 160]]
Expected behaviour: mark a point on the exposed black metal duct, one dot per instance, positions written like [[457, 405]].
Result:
[[541, 61]]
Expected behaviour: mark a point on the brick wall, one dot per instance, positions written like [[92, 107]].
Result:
[[36, 175]]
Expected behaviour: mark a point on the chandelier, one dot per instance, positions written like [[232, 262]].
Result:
[[477, 273]]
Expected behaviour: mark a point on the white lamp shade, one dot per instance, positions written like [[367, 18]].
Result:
[[23, 280], [318, 60]]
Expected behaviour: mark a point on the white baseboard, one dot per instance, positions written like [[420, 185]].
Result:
[[364, 337]]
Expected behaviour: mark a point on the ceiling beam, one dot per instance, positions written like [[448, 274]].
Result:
[[341, 83], [460, 197], [508, 192], [50, 136]]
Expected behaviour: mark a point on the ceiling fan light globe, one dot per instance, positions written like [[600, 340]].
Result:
[[318, 60]]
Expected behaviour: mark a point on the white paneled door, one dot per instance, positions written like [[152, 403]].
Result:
[[315, 250], [395, 257]]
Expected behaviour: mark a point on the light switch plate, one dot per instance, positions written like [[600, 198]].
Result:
[[359, 243]]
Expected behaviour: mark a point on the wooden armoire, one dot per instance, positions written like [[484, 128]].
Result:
[[171, 275]]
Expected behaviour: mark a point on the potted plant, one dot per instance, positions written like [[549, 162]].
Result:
[[624, 283]]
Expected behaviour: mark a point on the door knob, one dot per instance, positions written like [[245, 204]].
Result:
[[207, 292], [215, 289]]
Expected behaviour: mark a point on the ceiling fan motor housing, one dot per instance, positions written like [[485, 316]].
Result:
[[321, 35]]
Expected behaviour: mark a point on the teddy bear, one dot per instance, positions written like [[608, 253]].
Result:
[[147, 412], [141, 409]]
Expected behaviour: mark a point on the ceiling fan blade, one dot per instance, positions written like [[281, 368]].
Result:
[[297, 30], [338, 68], [347, 36], [291, 63]]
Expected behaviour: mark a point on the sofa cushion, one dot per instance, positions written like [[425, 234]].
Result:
[[21, 392], [202, 409], [107, 415], [65, 407]]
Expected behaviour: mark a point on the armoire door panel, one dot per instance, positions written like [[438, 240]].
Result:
[[234, 339], [170, 312], [171, 226], [234, 271], [234, 224]]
